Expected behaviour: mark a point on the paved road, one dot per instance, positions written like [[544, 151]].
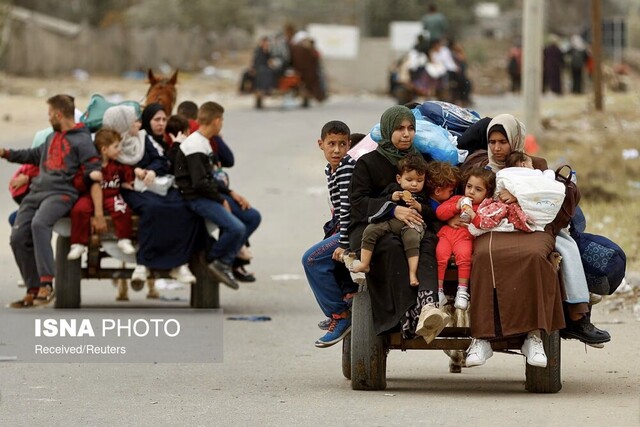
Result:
[[272, 374]]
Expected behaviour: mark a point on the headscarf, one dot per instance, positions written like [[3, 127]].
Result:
[[390, 120], [120, 118], [147, 114], [512, 129]]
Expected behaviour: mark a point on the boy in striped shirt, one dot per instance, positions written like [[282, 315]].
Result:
[[329, 279]]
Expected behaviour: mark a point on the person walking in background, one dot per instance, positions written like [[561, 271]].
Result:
[[577, 58], [514, 66], [553, 63], [434, 24]]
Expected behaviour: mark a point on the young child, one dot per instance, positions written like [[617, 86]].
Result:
[[114, 176], [406, 192], [327, 276], [479, 184], [441, 181]]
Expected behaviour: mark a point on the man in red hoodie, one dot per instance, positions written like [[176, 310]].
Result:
[[51, 196]]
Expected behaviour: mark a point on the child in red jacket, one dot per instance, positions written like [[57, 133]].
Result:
[[114, 176], [479, 184]]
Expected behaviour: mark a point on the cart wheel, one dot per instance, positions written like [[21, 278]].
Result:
[[346, 356], [368, 350], [546, 380], [205, 293], [68, 276]]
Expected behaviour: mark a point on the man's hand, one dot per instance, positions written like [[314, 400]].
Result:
[[337, 254], [99, 224], [244, 203], [2, 152], [19, 181]]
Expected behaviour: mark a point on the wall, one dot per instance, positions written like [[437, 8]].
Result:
[[367, 73]]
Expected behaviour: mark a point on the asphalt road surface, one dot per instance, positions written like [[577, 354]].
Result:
[[272, 374]]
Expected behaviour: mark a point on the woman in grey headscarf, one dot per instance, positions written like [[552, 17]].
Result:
[[393, 301]]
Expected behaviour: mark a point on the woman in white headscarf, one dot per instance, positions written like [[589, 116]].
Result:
[[169, 233]]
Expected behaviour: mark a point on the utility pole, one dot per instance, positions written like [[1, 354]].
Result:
[[533, 27], [596, 52]]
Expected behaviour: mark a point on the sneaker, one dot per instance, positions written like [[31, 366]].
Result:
[[126, 246], [338, 329], [242, 275], [46, 294], [478, 353], [534, 351], [139, 277], [324, 324], [183, 274], [431, 322], [25, 302], [76, 251], [224, 273], [462, 299], [442, 299]]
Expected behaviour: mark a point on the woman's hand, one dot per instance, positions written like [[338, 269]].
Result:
[[456, 222], [506, 197], [149, 177], [179, 138], [337, 254], [139, 173], [408, 215]]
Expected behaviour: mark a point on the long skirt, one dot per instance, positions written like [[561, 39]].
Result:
[[169, 233], [514, 285], [388, 280]]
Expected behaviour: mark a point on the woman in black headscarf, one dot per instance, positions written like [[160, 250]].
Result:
[[169, 233], [393, 300]]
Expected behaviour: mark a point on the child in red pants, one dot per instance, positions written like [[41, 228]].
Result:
[[114, 176], [479, 184]]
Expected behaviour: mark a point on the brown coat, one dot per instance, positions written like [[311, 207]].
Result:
[[514, 284]]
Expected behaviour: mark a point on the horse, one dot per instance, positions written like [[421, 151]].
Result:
[[162, 90]]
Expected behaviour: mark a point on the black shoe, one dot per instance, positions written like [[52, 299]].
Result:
[[224, 273], [585, 331], [243, 275]]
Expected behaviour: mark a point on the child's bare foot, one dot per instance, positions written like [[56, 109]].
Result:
[[413, 280], [359, 267]]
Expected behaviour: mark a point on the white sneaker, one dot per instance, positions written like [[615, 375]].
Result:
[[534, 351], [442, 299], [76, 251], [126, 246], [478, 353], [139, 277], [462, 299], [183, 274]]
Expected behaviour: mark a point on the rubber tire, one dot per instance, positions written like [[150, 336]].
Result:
[[546, 380], [68, 276], [368, 350], [205, 293], [346, 356]]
